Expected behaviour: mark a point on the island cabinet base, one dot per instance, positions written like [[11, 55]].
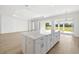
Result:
[[39, 45]]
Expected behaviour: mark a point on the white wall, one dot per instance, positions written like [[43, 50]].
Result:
[[0, 23], [10, 24], [76, 27], [20, 25]]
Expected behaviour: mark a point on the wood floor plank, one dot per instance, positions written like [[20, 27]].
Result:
[[67, 45]]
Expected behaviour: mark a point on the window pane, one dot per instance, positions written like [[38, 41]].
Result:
[[61, 27], [68, 27], [48, 26]]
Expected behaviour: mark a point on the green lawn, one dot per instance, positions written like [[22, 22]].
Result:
[[66, 29], [48, 28]]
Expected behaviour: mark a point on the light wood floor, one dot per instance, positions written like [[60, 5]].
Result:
[[67, 45], [10, 43]]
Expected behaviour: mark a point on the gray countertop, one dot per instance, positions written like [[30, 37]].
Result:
[[33, 34]]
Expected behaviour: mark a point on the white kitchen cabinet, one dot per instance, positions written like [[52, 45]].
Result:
[[55, 37], [48, 39], [40, 45], [36, 43]]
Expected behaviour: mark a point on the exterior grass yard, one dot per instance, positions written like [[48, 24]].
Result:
[[48, 28], [66, 29]]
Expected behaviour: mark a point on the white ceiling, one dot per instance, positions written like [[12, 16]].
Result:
[[31, 11], [46, 10]]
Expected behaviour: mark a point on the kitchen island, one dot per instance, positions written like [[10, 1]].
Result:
[[36, 43]]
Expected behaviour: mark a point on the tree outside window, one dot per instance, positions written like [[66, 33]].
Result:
[[48, 26]]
